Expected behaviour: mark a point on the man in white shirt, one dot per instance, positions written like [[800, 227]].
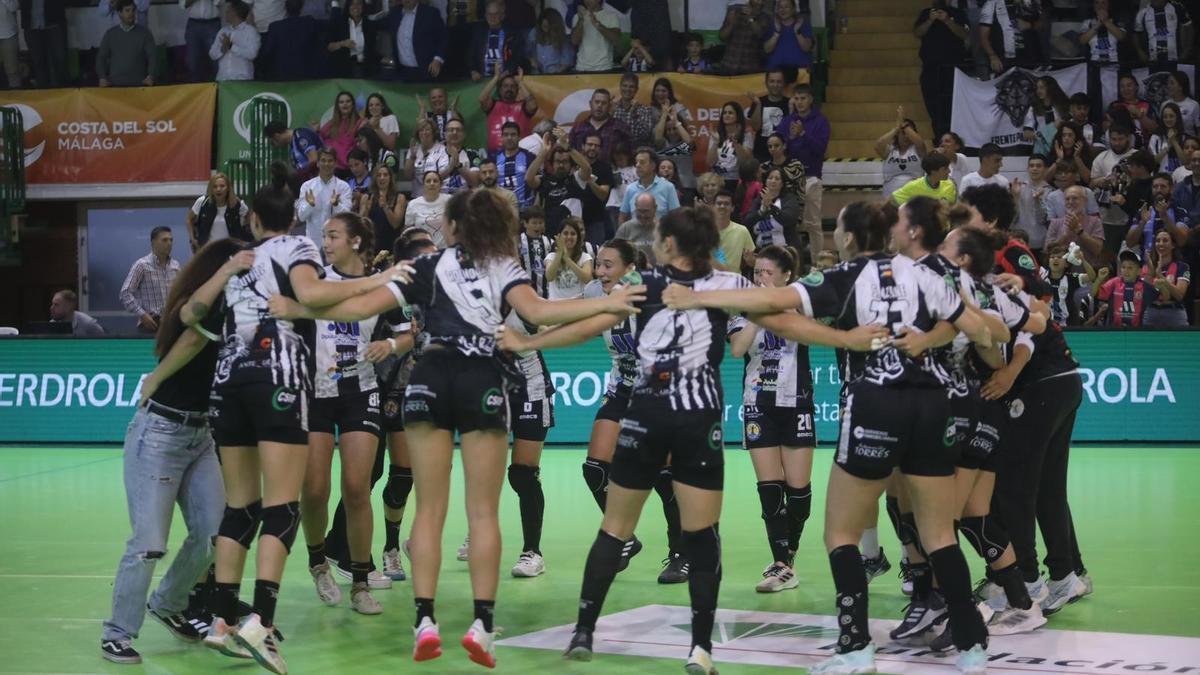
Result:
[[990, 159], [265, 13], [595, 32], [203, 24], [236, 45], [322, 197]]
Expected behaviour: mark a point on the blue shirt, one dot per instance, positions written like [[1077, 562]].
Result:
[[787, 51], [1186, 198], [663, 191], [303, 140]]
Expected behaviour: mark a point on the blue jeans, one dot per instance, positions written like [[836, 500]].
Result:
[[198, 37], [166, 462]]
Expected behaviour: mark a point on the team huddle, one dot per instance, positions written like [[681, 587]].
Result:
[[958, 402]]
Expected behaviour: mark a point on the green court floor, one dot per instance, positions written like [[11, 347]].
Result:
[[64, 525]]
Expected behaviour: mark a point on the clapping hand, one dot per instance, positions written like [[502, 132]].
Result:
[[308, 197]]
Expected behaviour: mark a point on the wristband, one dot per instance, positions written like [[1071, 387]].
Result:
[[392, 342]]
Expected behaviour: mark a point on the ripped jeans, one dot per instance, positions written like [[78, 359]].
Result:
[[166, 462]]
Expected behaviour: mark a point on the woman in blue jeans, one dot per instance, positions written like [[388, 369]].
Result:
[[170, 458]]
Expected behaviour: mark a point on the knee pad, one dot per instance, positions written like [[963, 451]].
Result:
[[282, 522], [524, 479], [799, 503], [399, 485], [241, 524], [772, 495], [986, 536], [703, 550], [595, 474]]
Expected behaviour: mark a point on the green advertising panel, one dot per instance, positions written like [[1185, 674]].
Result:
[[1138, 386]]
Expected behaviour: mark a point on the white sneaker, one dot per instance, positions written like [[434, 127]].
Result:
[[427, 641], [986, 612], [378, 581], [973, 661], [989, 591], [700, 662], [777, 577], [465, 549], [393, 567], [1038, 592], [221, 637], [530, 564], [850, 663], [260, 642], [327, 589], [1062, 592], [362, 601], [1088, 587], [480, 644], [1012, 621]]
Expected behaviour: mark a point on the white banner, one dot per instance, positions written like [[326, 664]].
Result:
[[1152, 88], [995, 111]]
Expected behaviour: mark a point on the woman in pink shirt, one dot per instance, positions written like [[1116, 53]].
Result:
[[338, 133]]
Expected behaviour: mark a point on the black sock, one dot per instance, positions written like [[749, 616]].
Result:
[[224, 602], [1013, 584], [266, 594], [526, 482], [666, 492], [598, 575], [391, 534], [316, 555], [922, 579], [359, 570], [485, 611], [703, 551], [595, 474], [799, 508], [198, 597], [772, 497], [892, 504], [424, 609], [954, 578], [850, 580]]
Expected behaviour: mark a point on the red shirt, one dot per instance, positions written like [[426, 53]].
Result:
[[501, 113], [1016, 258], [1127, 302]]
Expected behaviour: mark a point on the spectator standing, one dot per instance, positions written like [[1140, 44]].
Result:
[[495, 47], [144, 292], [766, 112], [597, 226], [991, 158], [489, 179], [384, 206], [460, 19], [264, 13], [901, 150], [773, 215], [110, 12], [1126, 297], [638, 59], [1071, 146], [650, 25], [512, 103], [935, 183], [292, 46], [943, 31], [301, 142], [1171, 277], [595, 33], [236, 45], [199, 34], [10, 44], [568, 266], [1190, 145], [425, 154], [45, 25], [462, 167], [64, 306], [1136, 195], [550, 49], [1069, 297], [420, 40], [359, 176], [512, 164], [1179, 86], [426, 208], [350, 37], [951, 144], [668, 169], [732, 144], [338, 133], [638, 118], [742, 32], [1140, 111], [322, 197], [562, 187], [1078, 227], [794, 180], [1165, 142], [737, 245], [218, 214], [600, 121], [1164, 34], [1186, 195], [381, 123], [1008, 33], [1031, 205], [1159, 215], [788, 38], [127, 51], [708, 185], [673, 141], [648, 181], [808, 134], [1108, 179], [1050, 108], [1102, 35], [439, 111], [640, 230], [694, 61]]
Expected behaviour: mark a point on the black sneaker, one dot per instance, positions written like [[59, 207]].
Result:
[[119, 651], [580, 648], [675, 570], [177, 624], [632, 548], [919, 616], [944, 642], [200, 620], [876, 566]]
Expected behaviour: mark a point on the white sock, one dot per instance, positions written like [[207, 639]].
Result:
[[870, 543]]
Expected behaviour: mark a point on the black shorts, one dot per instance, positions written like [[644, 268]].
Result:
[[984, 444], [456, 392], [531, 420], [651, 431], [358, 412], [774, 426], [613, 405], [965, 412], [888, 427], [392, 412], [243, 415]]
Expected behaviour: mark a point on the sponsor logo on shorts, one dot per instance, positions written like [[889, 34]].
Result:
[[871, 451], [873, 435], [1016, 408], [415, 405], [951, 433], [419, 390], [492, 401], [391, 408], [715, 437], [753, 431], [283, 398], [373, 399]]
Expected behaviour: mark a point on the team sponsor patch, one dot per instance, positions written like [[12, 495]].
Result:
[[391, 408], [715, 437], [491, 401], [1016, 408], [1026, 261], [753, 431], [283, 398]]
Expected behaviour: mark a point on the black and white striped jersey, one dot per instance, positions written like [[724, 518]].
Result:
[[532, 252], [256, 347], [777, 370], [341, 351], [531, 364], [462, 300], [891, 292], [679, 351], [621, 348]]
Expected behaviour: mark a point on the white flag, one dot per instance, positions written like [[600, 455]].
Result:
[[995, 111]]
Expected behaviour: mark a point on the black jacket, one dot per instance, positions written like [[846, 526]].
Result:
[[513, 50], [55, 11], [340, 61], [233, 221]]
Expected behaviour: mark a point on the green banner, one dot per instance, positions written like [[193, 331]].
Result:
[[1138, 386]]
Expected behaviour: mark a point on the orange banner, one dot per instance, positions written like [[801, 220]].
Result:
[[565, 98], [129, 135]]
